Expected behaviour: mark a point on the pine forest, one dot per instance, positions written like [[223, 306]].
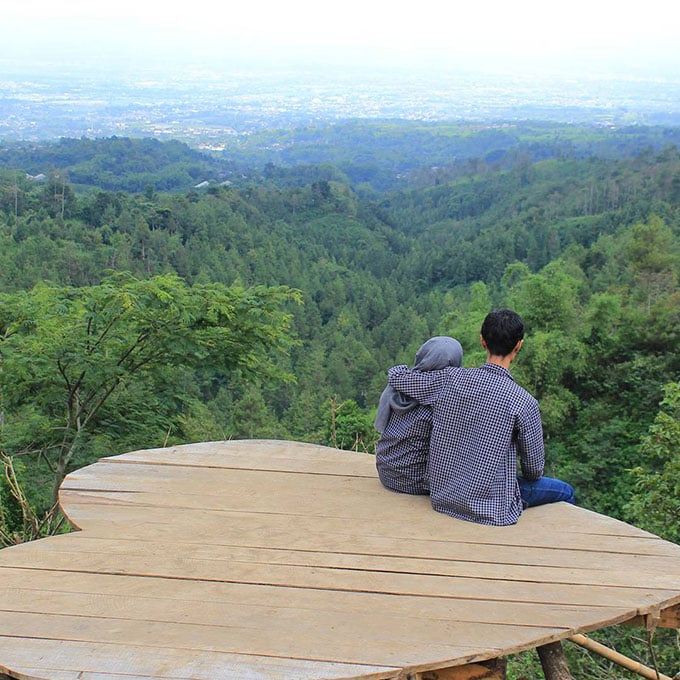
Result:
[[152, 294]]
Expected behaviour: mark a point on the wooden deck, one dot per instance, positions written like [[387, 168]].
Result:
[[260, 559]]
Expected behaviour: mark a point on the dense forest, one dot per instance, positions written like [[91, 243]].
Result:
[[141, 305]]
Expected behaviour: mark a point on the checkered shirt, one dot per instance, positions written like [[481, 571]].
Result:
[[482, 421], [402, 450]]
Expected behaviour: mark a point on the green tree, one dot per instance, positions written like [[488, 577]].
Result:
[[80, 363], [19, 522], [548, 300], [349, 427], [252, 418], [465, 324], [11, 512], [655, 505], [652, 255], [652, 318], [554, 355], [58, 197]]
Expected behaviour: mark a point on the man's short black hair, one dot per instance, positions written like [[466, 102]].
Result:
[[502, 330]]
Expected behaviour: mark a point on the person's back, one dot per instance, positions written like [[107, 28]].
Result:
[[405, 425], [482, 423], [402, 450]]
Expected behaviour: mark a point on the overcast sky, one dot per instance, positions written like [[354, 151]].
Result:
[[640, 35]]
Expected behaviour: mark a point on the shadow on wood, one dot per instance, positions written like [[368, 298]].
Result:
[[489, 670]]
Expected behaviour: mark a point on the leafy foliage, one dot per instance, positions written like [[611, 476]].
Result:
[[116, 163], [134, 320], [19, 522], [349, 428], [655, 504], [585, 248], [81, 364]]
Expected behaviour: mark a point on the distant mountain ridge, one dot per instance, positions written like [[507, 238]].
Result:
[[369, 155], [115, 163]]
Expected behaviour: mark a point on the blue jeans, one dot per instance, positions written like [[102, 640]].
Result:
[[544, 490]]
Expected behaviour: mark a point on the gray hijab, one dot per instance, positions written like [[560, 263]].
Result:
[[438, 352]]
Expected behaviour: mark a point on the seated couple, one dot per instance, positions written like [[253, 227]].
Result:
[[457, 433]]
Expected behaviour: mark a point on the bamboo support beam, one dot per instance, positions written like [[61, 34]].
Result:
[[617, 658]]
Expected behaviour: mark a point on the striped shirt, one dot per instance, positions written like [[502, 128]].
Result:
[[483, 421]]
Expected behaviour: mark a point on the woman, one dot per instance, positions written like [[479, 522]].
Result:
[[405, 425]]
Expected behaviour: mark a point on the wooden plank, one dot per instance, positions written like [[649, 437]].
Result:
[[258, 454], [594, 574], [402, 623], [279, 493], [238, 490], [259, 459], [181, 567], [302, 643], [246, 491], [27, 673], [232, 537], [253, 454], [243, 491], [666, 618], [101, 661], [219, 595], [587, 572], [254, 533], [424, 525], [222, 552], [324, 465], [273, 632]]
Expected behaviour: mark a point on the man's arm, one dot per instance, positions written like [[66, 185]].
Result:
[[424, 386], [530, 443]]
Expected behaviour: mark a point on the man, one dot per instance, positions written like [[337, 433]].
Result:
[[482, 421]]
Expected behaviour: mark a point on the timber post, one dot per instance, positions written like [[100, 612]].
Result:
[[493, 669], [553, 661], [666, 618]]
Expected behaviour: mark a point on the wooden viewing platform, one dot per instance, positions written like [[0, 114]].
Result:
[[264, 559]]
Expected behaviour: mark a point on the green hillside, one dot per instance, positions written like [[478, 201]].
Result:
[[585, 247]]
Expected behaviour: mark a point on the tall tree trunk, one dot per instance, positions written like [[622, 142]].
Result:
[[553, 662]]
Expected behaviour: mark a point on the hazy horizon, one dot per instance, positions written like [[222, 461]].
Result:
[[601, 39], [209, 70]]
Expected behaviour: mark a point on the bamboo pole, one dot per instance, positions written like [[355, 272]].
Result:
[[617, 658]]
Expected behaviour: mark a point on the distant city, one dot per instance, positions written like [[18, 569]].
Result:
[[210, 108]]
